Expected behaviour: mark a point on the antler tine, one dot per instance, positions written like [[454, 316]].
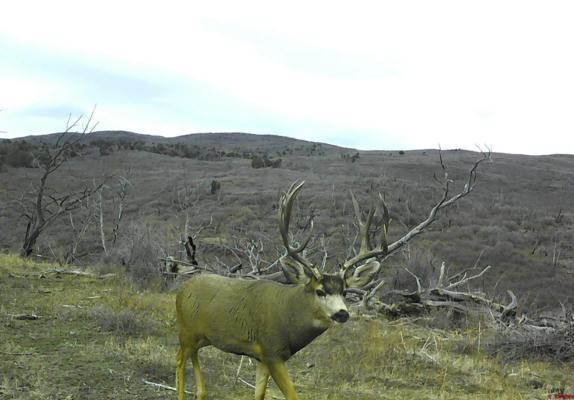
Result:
[[363, 226], [366, 250], [386, 220], [285, 208]]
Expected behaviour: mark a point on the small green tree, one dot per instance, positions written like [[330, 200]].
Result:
[[257, 162], [215, 186]]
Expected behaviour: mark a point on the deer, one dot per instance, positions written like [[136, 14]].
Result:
[[267, 320]]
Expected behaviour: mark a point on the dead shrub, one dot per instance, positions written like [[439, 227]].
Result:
[[123, 322], [418, 262], [143, 265], [557, 346]]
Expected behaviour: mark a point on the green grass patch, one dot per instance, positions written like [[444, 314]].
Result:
[[100, 338]]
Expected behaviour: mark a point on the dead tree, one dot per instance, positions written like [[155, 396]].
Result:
[[249, 251], [47, 206], [442, 292], [79, 228], [190, 249], [119, 202], [445, 200], [185, 201], [177, 266]]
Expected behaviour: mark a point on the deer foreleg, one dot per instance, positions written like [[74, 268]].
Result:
[[281, 377], [261, 380]]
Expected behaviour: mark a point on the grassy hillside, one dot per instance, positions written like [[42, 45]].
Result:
[[76, 337], [520, 218]]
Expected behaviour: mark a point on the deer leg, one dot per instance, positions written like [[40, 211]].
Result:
[[281, 377], [182, 356], [261, 380], [200, 390]]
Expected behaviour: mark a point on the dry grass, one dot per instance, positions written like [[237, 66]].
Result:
[[97, 339]]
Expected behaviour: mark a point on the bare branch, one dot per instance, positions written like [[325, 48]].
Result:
[[438, 295], [57, 271], [162, 386], [443, 202], [465, 280], [419, 285], [510, 310]]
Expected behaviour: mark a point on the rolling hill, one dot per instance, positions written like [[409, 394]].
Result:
[[519, 219]]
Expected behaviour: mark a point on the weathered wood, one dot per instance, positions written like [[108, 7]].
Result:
[[42, 274]]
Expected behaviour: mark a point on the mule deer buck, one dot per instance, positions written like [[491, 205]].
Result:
[[267, 320]]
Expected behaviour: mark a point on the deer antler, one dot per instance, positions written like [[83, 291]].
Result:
[[367, 251], [285, 207]]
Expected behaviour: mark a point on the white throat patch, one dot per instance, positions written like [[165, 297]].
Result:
[[332, 304]]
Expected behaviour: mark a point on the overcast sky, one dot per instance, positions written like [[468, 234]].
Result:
[[371, 75]]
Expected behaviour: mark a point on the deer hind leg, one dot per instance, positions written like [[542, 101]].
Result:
[[189, 348], [200, 390], [182, 356], [261, 380], [281, 377]]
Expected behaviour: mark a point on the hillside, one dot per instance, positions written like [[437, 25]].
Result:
[[226, 141], [66, 336], [519, 219]]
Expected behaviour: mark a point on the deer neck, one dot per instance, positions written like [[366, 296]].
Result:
[[305, 321]]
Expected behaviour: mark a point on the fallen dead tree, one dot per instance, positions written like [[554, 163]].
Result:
[[444, 292], [548, 336], [545, 337], [58, 271]]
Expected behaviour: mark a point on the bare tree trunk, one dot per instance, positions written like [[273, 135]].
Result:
[[100, 208], [32, 234], [78, 235], [124, 182], [555, 253]]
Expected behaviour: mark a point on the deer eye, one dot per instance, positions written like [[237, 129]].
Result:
[[320, 293]]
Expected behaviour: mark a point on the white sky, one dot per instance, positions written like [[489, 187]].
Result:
[[371, 75]]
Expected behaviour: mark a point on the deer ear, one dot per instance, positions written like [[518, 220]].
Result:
[[294, 271], [361, 275]]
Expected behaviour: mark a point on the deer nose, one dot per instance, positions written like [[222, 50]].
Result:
[[341, 316]]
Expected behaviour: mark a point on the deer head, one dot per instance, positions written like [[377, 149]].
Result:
[[330, 289]]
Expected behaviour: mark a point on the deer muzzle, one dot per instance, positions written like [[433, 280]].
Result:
[[341, 316]]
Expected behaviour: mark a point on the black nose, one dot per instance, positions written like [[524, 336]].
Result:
[[341, 316]]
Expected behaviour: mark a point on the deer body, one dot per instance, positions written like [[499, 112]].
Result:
[[261, 319]]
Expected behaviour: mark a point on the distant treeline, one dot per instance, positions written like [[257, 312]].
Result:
[[23, 153]]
